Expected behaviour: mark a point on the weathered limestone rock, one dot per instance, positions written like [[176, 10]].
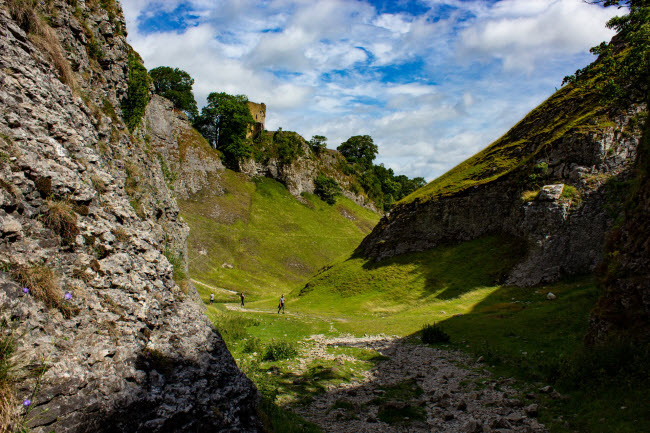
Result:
[[128, 349], [563, 236]]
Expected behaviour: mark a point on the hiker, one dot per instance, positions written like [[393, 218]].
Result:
[[212, 298], [241, 296], [281, 305]]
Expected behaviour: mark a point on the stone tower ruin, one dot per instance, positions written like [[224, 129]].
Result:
[[258, 111]]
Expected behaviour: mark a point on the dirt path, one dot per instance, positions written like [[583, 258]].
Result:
[[424, 389], [219, 289]]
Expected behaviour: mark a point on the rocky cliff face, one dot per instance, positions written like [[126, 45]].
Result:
[[572, 168], [624, 308], [193, 165], [107, 340], [299, 176]]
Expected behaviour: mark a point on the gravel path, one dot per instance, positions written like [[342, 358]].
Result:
[[453, 398]]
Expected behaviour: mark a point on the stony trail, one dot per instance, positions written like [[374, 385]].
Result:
[[219, 289], [456, 395]]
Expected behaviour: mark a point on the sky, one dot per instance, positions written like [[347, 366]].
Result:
[[431, 81]]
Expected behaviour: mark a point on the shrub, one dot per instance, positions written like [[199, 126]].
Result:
[[233, 328], [252, 345], [432, 334], [279, 350], [61, 218], [137, 93]]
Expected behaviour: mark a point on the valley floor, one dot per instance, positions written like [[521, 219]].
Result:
[[416, 389]]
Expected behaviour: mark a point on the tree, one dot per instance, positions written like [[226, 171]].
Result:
[[175, 85], [318, 143], [224, 122], [326, 188], [359, 149]]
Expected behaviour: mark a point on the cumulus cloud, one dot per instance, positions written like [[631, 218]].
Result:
[[522, 33], [341, 68]]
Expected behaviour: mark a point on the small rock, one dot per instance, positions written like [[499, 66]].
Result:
[[550, 296], [546, 389], [371, 418], [480, 359], [472, 426], [557, 396], [532, 410], [449, 416], [462, 406], [551, 192]]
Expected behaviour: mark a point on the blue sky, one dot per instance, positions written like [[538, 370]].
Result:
[[432, 81]]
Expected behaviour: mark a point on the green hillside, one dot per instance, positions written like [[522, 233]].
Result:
[[400, 294], [273, 241]]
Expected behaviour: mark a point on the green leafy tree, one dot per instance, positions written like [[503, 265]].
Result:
[[288, 145], [175, 85], [326, 188], [359, 149], [318, 143], [224, 122]]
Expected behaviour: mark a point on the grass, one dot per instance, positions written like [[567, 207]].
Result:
[[528, 196], [401, 294], [61, 218], [521, 334], [274, 242], [43, 284]]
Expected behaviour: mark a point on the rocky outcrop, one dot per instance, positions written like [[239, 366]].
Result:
[[107, 339], [299, 176], [563, 229], [190, 160], [624, 309]]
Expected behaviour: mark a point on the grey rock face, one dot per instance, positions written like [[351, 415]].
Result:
[[563, 235], [129, 350]]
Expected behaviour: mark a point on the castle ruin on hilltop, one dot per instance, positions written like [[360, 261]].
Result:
[[258, 111]]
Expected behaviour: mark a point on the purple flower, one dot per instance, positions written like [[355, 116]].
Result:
[[67, 296], [27, 402], [26, 290]]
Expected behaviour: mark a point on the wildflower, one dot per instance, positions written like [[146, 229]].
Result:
[[26, 290], [67, 296], [27, 402]]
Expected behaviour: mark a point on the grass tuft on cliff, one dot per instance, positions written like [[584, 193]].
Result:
[[257, 238]]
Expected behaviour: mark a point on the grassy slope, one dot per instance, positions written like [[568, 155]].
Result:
[[399, 295], [273, 241], [571, 109]]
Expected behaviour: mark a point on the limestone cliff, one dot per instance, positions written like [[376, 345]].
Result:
[[107, 340], [550, 181], [193, 165]]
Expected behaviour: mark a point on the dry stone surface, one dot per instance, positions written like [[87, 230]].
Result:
[[458, 396]]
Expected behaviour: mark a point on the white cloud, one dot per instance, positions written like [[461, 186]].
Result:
[[523, 33], [339, 68]]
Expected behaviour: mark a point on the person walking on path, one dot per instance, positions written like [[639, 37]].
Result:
[[281, 306], [212, 298], [241, 296]]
